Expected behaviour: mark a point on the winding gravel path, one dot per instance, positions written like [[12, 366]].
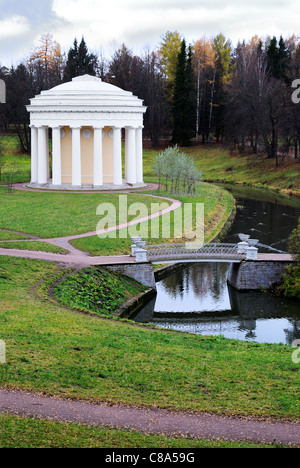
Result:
[[151, 421]]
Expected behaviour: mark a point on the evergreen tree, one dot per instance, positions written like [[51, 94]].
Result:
[[222, 49], [284, 59], [278, 58], [184, 98], [80, 61]]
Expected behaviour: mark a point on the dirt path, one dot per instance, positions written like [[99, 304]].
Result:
[[152, 421]]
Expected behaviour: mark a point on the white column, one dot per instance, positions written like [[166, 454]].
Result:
[[42, 155], [34, 155], [56, 156], [131, 162], [76, 157], [117, 156], [47, 153], [126, 153], [98, 157], [139, 156]]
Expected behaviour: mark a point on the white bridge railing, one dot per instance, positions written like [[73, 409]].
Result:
[[181, 251]]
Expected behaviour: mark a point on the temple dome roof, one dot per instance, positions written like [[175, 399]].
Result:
[[87, 92]]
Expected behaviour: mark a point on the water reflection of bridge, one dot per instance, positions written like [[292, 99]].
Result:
[[246, 318]]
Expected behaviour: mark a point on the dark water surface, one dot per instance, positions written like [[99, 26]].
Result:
[[197, 299]]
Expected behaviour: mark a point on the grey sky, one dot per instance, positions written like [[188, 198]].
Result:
[[137, 23]]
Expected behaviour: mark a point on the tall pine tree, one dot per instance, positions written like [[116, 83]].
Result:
[[279, 58], [184, 100], [80, 61]]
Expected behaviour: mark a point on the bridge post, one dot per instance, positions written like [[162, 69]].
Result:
[[243, 247], [252, 253], [133, 250], [141, 256], [137, 244]]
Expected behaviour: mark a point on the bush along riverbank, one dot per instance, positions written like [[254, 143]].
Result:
[[290, 286]]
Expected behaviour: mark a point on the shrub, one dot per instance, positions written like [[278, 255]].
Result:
[[178, 170], [291, 279], [291, 282], [294, 243]]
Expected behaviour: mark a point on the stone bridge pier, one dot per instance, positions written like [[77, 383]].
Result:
[[262, 273]]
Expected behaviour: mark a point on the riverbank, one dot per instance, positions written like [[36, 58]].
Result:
[[218, 165]]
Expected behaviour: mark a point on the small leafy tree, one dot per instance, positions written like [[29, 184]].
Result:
[[178, 170], [291, 279]]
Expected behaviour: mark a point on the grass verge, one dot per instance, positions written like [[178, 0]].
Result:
[[10, 236], [18, 432], [33, 246]]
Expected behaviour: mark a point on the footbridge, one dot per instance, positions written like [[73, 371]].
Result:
[[193, 252], [248, 269]]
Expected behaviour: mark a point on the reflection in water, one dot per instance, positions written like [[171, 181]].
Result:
[[217, 309], [198, 300], [200, 287]]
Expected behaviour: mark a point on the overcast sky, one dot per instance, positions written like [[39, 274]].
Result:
[[137, 23]]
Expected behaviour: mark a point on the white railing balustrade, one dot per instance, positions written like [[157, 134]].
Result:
[[244, 250], [213, 250]]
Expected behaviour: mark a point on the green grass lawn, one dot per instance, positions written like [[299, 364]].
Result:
[[18, 432], [60, 351], [57, 351], [14, 158], [10, 236], [33, 246], [49, 215]]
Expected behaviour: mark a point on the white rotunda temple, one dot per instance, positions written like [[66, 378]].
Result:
[[86, 117]]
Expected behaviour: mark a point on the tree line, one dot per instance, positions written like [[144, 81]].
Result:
[[201, 92]]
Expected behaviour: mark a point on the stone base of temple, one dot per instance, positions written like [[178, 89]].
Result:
[[85, 188]]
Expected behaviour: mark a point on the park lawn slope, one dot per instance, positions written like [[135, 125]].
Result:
[[219, 165], [96, 290], [58, 351]]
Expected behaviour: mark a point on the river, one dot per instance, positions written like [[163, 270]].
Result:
[[197, 298]]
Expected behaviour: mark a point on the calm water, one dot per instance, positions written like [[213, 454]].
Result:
[[197, 298]]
